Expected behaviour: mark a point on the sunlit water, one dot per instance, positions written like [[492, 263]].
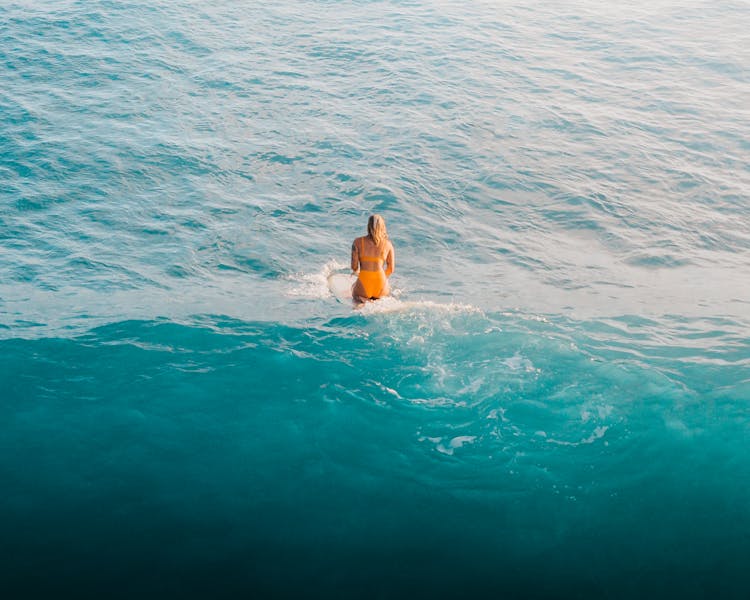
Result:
[[555, 402]]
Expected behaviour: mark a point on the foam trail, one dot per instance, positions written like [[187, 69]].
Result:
[[393, 304], [314, 285]]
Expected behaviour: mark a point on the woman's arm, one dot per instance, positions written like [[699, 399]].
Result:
[[355, 257], [390, 260]]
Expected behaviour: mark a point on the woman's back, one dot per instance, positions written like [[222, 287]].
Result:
[[372, 256]]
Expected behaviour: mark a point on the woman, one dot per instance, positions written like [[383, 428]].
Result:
[[373, 260]]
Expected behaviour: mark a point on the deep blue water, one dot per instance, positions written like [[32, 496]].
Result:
[[555, 402]]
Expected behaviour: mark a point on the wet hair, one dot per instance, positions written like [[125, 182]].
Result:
[[376, 229]]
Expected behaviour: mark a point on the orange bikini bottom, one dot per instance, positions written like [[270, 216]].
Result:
[[374, 283]]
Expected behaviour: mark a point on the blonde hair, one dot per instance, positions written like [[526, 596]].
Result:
[[376, 229]]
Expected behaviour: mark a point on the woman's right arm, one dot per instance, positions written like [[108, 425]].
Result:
[[355, 257]]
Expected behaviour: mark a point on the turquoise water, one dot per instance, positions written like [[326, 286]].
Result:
[[555, 402]]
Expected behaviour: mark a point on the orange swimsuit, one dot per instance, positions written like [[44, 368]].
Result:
[[373, 282]]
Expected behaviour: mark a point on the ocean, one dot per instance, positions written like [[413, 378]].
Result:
[[552, 404]]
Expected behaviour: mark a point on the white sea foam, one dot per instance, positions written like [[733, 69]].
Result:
[[518, 362], [598, 433], [314, 285], [455, 443], [393, 304], [450, 446]]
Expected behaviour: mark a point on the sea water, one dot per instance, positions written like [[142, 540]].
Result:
[[553, 404]]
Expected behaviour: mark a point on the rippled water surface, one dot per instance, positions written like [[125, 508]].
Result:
[[553, 404]]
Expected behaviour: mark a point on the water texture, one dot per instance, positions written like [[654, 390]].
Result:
[[554, 403]]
